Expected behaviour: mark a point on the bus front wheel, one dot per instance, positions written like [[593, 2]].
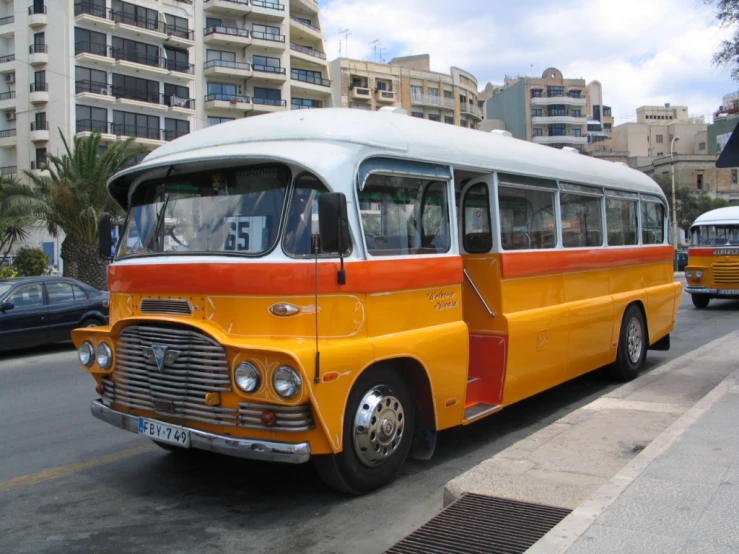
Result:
[[377, 433], [632, 345], [700, 301]]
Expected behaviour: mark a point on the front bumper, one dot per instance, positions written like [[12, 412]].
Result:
[[699, 290], [252, 449]]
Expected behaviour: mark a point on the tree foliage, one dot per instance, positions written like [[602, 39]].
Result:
[[727, 14], [689, 204], [30, 262]]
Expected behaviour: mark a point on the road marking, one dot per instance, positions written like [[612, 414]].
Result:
[[61, 471]]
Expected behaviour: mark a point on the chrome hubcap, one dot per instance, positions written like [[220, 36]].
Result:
[[634, 338], [378, 426]]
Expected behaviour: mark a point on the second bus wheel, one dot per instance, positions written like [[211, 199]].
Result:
[[632, 345], [700, 301], [377, 433]]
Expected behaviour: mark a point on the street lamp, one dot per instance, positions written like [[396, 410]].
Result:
[[674, 203]]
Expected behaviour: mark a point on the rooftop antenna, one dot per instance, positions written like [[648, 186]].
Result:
[[346, 34], [374, 44], [532, 70], [382, 58]]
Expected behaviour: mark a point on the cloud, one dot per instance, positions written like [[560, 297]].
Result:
[[642, 51]]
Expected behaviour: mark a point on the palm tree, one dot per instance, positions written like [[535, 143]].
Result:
[[13, 222], [71, 198]]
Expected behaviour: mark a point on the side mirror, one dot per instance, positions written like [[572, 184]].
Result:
[[5, 306], [333, 223], [105, 242]]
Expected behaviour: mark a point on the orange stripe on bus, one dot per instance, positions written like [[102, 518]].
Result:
[[701, 251], [548, 262], [285, 278]]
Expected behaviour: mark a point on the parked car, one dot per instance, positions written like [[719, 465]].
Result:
[[40, 310], [682, 260]]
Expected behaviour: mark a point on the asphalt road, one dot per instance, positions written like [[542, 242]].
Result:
[[70, 483]]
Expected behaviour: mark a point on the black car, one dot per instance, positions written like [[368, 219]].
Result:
[[39, 310], [682, 260]]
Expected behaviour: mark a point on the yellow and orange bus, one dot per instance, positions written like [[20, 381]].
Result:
[[340, 286], [713, 256]]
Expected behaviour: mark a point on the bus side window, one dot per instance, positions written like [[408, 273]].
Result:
[[652, 223], [581, 220], [526, 219], [478, 236], [621, 218]]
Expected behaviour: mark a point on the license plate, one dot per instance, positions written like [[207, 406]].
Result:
[[731, 292], [164, 433]]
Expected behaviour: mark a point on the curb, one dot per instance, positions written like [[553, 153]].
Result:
[[570, 529]]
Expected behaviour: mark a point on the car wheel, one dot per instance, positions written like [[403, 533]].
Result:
[[700, 301], [632, 345], [378, 430]]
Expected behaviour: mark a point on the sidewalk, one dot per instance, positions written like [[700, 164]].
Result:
[[637, 466], [681, 494]]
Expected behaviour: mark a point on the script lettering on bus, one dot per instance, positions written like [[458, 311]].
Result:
[[444, 300], [726, 252]]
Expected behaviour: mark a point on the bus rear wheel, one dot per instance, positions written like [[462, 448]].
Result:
[[632, 345], [700, 301], [377, 433]]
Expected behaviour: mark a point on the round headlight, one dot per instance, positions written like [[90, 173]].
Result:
[[86, 354], [688, 273], [286, 382], [104, 355], [246, 377], [699, 274]]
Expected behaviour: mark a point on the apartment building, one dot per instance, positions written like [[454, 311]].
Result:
[[150, 69], [408, 83], [725, 120]]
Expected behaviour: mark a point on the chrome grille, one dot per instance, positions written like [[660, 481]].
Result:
[[287, 418], [726, 273], [179, 389], [162, 306]]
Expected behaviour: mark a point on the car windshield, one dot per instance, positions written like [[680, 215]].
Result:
[[233, 211], [4, 288], [715, 235]]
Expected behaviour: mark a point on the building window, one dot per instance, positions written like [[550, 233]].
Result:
[[136, 52], [416, 91], [701, 146], [557, 110], [449, 120], [90, 80], [89, 41], [306, 76], [462, 99], [266, 32], [40, 157], [463, 123], [221, 91], [576, 132], [138, 16], [699, 181], [417, 114], [660, 139], [575, 113], [606, 111], [217, 120], [175, 128], [266, 64], [557, 130], [220, 55], [538, 131], [91, 119], [131, 124], [433, 92], [536, 93], [268, 96], [177, 60], [434, 117], [536, 112], [304, 103], [733, 177], [177, 26], [448, 94], [555, 91], [607, 126], [135, 88], [574, 94], [382, 85], [178, 96]]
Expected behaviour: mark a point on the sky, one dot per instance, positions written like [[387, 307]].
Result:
[[644, 52]]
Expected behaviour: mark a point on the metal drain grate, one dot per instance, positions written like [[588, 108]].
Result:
[[478, 524]]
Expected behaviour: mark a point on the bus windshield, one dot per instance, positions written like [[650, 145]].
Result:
[[715, 235], [232, 211]]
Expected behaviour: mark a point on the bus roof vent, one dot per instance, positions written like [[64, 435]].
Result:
[[391, 109], [501, 132], [570, 149]]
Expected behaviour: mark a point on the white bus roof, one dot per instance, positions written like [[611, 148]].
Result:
[[384, 134], [719, 216]]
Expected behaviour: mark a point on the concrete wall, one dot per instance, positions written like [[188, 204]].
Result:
[[510, 106]]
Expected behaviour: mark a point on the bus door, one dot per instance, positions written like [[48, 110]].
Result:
[[481, 298]]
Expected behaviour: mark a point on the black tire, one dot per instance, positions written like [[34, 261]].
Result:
[[632, 345], [173, 448], [91, 322], [346, 471], [700, 301]]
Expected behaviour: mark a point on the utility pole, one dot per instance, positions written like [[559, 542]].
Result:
[[346, 34]]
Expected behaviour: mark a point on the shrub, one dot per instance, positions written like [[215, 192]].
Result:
[[30, 262], [6, 272]]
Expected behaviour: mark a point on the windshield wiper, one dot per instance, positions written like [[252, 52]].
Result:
[[158, 225]]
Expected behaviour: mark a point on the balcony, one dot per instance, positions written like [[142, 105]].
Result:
[[230, 102], [180, 71], [8, 138], [37, 18], [227, 69], [140, 63], [234, 8], [135, 98], [9, 170], [307, 54], [554, 119], [93, 53], [229, 36], [180, 36], [7, 63], [39, 93], [385, 96], [92, 14], [268, 105], [185, 106], [268, 9], [138, 27], [7, 27], [86, 127], [38, 54], [310, 83], [557, 100], [360, 93], [147, 136], [94, 91], [470, 109], [305, 27], [563, 139], [7, 100], [172, 135], [311, 6], [40, 132], [269, 73], [268, 41], [426, 99]]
